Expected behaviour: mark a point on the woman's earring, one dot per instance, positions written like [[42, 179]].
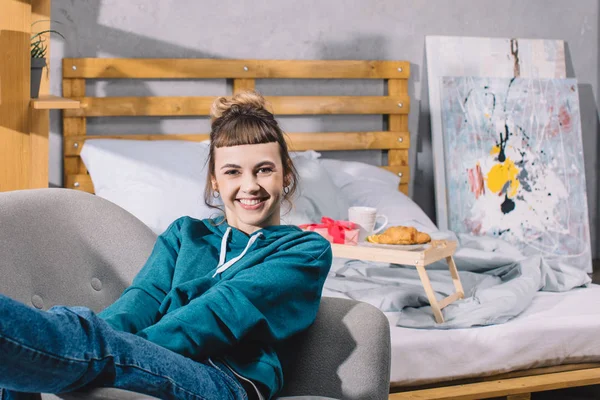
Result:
[[216, 194], [286, 190]]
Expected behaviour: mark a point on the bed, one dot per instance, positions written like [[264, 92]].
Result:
[[139, 172]]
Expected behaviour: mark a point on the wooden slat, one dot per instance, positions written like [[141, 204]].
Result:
[[281, 105], [403, 188], [40, 120], [79, 182], [240, 85], [486, 390], [399, 157], [541, 371], [75, 164], [398, 123], [320, 141], [521, 396], [74, 144], [398, 87], [81, 169], [214, 68], [507, 375], [15, 143], [73, 126], [49, 102], [40, 130], [331, 141], [401, 170]]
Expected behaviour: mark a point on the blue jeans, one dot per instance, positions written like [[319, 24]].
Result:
[[69, 348]]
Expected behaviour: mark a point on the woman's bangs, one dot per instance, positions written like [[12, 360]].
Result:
[[245, 131]]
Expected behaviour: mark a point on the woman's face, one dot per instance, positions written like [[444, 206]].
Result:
[[250, 181]]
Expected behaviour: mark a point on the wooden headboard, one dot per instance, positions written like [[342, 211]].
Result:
[[396, 104]]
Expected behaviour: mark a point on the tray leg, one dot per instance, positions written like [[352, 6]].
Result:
[[455, 277], [437, 312]]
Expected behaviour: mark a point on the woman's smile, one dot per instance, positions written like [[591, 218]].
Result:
[[251, 203]]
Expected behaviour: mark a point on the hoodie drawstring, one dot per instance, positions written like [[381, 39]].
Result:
[[224, 265]]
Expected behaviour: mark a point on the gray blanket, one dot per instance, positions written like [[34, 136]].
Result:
[[499, 283]]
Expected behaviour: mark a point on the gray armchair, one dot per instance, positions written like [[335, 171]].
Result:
[[60, 246]]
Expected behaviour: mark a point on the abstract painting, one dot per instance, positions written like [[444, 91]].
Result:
[[485, 57], [514, 164]]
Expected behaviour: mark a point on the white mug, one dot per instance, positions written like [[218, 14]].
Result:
[[365, 218]]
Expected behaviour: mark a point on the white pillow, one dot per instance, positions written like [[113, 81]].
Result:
[[162, 180], [308, 154], [317, 195], [157, 181], [368, 185], [344, 172]]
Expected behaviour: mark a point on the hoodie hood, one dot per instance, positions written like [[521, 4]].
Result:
[[233, 238], [237, 238]]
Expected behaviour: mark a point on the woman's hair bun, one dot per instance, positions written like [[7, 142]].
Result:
[[242, 103]]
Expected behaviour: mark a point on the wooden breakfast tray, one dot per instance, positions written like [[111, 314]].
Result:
[[437, 250]]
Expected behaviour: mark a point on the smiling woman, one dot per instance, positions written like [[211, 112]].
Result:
[[249, 165], [211, 307]]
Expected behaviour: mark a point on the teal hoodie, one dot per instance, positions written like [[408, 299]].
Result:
[[211, 291]]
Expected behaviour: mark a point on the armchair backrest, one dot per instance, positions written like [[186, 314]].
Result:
[[61, 246]]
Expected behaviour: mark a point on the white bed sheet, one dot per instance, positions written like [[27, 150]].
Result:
[[557, 328]]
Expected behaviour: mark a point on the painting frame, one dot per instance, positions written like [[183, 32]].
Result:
[[514, 164], [480, 56]]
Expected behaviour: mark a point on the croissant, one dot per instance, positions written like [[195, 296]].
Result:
[[400, 235]]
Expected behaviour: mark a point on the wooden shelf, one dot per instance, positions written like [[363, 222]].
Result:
[[49, 102]]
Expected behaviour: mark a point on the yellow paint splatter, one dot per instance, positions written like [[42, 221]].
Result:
[[486, 115], [495, 150], [500, 174]]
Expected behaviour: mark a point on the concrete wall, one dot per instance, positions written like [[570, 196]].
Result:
[[319, 29]]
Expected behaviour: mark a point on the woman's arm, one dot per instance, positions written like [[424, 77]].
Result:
[[137, 308], [268, 302]]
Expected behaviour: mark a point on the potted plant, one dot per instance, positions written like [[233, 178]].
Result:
[[38, 60]]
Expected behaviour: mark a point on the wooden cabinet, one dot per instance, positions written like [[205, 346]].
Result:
[[24, 123]]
